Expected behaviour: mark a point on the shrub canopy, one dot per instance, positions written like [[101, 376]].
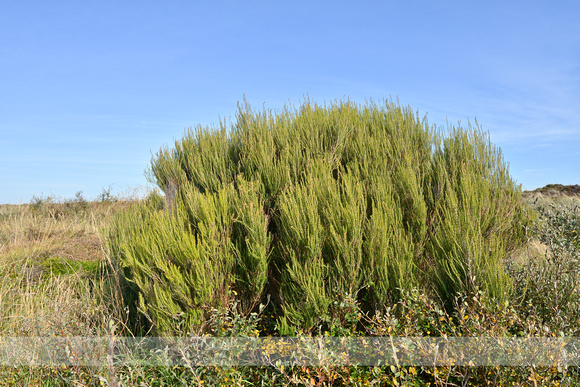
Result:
[[310, 206]]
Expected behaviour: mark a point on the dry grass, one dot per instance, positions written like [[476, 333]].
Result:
[[53, 282], [50, 264]]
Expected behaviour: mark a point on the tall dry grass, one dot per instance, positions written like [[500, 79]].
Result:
[[53, 272]]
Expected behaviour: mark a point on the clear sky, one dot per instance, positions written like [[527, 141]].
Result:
[[88, 90]]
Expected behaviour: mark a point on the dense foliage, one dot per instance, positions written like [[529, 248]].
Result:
[[310, 207]]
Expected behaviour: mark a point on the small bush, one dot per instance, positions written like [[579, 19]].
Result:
[[106, 196], [38, 204]]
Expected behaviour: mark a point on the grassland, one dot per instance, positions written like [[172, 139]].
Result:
[[52, 276]]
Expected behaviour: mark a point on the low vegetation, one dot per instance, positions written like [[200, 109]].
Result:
[[335, 221]]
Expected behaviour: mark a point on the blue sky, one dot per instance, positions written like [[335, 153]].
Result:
[[88, 90]]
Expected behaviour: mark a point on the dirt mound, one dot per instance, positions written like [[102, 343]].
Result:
[[555, 190]]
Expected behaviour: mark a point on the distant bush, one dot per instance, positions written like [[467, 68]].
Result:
[[316, 209], [106, 196], [77, 205], [38, 204], [57, 208]]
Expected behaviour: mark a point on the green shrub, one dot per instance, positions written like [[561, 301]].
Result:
[[184, 260], [477, 216], [312, 206]]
